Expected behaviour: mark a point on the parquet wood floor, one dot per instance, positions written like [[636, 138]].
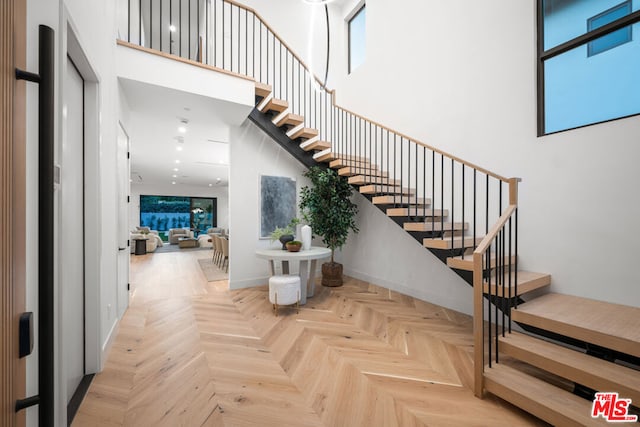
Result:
[[192, 353]]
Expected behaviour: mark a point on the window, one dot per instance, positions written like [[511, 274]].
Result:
[[615, 38], [357, 42], [588, 62], [164, 212]]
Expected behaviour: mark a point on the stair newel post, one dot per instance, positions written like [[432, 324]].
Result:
[[513, 200], [478, 326]]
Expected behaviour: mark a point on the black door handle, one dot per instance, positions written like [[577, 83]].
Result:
[[121, 249]]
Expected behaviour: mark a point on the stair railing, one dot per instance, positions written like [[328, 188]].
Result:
[[495, 275], [427, 183]]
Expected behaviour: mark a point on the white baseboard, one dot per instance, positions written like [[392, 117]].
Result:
[[421, 294], [106, 346]]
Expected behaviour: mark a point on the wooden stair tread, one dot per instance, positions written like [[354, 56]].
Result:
[[361, 170], [578, 367], [435, 226], [273, 104], [315, 145], [341, 163], [403, 201], [289, 119], [527, 281], [419, 211], [263, 90], [385, 189], [545, 401], [304, 132], [609, 325], [466, 263], [328, 156], [364, 179], [446, 243]]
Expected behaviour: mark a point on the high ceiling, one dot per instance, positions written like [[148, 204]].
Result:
[[157, 143]]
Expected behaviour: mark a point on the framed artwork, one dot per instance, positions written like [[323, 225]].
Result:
[[277, 203]]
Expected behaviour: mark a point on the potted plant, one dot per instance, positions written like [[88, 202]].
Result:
[[285, 234], [327, 207], [294, 246]]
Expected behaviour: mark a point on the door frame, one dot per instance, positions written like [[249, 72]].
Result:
[[72, 46]]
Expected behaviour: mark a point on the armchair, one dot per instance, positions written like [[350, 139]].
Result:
[[176, 233]]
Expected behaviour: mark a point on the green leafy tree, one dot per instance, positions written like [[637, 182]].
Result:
[[327, 207]]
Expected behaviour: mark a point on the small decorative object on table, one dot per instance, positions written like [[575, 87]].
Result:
[[294, 246], [305, 236], [285, 234]]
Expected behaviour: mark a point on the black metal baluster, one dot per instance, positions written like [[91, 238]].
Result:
[[150, 25], [453, 218], [510, 272], [487, 265], [189, 26], [441, 194], [280, 67], [487, 208], [160, 26], [260, 53], [223, 40], [475, 193], [180, 34], [495, 305], [424, 184], [215, 33], [206, 32], [462, 237], [231, 35], [515, 286], [433, 192], [170, 28]]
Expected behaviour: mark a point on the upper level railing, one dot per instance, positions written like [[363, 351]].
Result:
[[432, 184]]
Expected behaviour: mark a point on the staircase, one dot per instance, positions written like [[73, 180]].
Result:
[[465, 215]]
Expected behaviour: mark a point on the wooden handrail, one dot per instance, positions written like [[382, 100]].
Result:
[[333, 101], [326, 89], [181, 59], [493, 232]]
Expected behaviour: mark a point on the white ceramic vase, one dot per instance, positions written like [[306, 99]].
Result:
[[305, 237]]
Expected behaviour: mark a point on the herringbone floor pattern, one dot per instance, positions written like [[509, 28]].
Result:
[[359, 355]]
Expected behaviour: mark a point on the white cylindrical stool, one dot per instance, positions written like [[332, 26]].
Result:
[[284, 290]]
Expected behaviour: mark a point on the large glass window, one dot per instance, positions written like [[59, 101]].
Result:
[[164, 212], [589, 62], [357, 42]]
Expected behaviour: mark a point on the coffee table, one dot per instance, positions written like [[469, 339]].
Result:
[[187, 242]]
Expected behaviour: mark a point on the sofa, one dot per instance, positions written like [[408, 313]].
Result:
[[177, 233], [152, 237]]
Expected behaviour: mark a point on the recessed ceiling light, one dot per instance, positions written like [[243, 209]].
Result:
[[177, 161], [175, 169], [172, 28], [175, 176], [173, 182], [210, 185], [182, 129], [218, 179], [179, 148]]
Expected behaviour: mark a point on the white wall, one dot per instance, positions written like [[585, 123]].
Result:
[[464, 81], [220, 193], [252, 154], [382, 253]]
